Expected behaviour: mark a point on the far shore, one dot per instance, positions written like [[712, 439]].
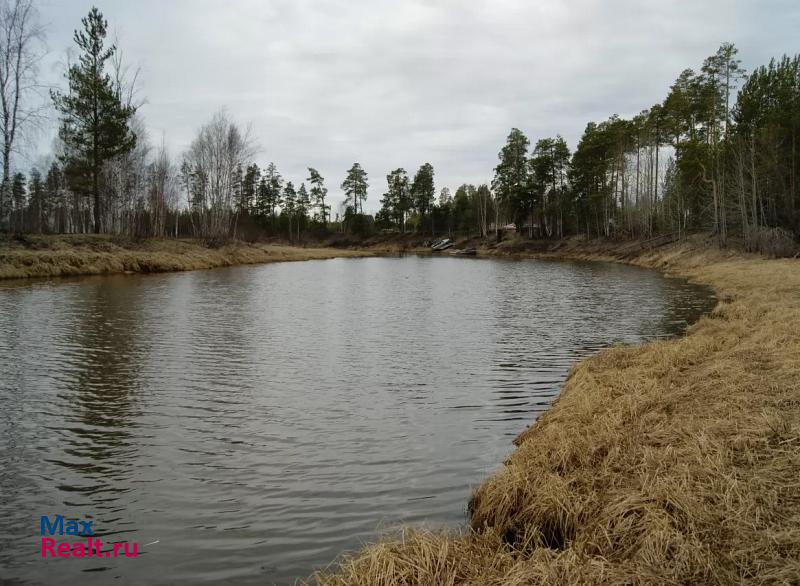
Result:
[[69, 255], [73, 255]]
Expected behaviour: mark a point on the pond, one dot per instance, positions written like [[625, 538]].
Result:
[[247, 425]]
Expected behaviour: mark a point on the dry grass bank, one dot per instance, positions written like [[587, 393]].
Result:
[[53, 256], [675, 462]]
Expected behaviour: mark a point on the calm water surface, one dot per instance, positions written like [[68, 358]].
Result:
[[257, 421]]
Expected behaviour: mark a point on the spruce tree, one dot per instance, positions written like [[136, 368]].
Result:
[[19, 199]]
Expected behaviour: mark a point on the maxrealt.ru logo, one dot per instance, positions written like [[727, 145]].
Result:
[[92, 547]]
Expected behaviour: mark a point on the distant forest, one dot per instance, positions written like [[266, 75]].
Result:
[[719, 154]]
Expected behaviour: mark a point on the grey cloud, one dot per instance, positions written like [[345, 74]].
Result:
[[399, 83]]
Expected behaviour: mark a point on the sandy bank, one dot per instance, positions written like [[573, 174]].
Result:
[[53, 256], [675, 462]]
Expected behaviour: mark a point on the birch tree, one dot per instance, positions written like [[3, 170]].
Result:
[[209, 175], [20, 51], [162, 192]]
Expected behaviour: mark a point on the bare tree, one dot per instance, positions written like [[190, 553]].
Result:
[[124, 186], [20, 51], [483, 200], [209, 173], [125, 183], [162, 191]]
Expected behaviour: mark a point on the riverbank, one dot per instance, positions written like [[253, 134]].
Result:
[[70, 255], [675, 462]]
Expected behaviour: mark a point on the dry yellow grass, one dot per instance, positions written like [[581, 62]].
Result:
[[52, 256], [676, 462]]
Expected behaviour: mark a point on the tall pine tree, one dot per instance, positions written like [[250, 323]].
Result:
[[423, 191], [95, 123], [318, 194], [355, 188], [511, 178]]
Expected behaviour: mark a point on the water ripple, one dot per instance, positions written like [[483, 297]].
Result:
[[257, 421]]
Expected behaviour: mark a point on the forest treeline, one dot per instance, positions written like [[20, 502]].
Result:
[[719, 153]]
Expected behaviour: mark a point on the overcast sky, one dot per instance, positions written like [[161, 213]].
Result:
[[398, 83]]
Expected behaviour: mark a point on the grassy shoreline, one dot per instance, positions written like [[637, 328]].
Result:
[[61, 256], [674, 462]]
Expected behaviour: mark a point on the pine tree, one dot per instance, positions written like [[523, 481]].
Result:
[[250, 184], [561, 159], [397, 199], [511, 178], [542, 168], [303, 204], [289, 198], [237, 185], [318, 194], [355, 188], [464, 208], [423, 191], [38, 205], [262, 206], [271, 194], [289, 204], [548, 166], [767, 118], [445, 208], [95, 124], [53, 186]]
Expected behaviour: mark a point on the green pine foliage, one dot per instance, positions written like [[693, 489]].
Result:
[[95, 123]]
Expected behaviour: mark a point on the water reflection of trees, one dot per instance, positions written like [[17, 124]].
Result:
[[105, 356], [17, 459]]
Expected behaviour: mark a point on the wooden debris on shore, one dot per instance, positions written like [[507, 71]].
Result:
[[464, 252]]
